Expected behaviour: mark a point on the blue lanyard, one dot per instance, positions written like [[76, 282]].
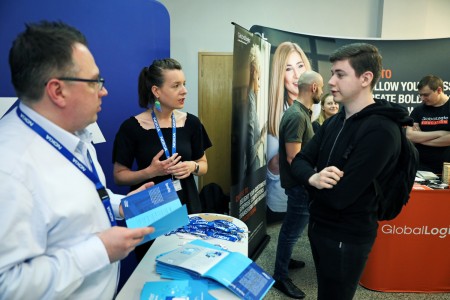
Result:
[[93, 176], [161, 138]]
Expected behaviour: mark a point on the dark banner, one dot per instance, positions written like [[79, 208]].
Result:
[[249, 127], [405, 62]]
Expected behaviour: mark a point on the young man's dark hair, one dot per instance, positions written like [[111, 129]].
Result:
[[362, 57], [432, 81]]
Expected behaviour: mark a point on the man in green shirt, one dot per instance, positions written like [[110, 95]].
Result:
[[295, 131]]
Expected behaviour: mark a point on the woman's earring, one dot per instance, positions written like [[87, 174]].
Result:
[[158, 105]]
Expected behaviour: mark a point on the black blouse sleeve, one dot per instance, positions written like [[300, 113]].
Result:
[[200, 138], [124, 146]]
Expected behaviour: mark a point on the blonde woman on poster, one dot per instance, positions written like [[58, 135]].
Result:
[[255, 136], [288, 63]]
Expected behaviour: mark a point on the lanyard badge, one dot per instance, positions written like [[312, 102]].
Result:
[[176, 183], [93, 176]]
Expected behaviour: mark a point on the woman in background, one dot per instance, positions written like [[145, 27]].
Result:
[[288, 63], [328, 108], [165, 142]]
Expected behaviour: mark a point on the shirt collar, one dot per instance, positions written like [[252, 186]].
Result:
[[69, 140], [307, 110]]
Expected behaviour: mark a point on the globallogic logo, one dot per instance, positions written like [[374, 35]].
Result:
[[243, 38], [441, 232]]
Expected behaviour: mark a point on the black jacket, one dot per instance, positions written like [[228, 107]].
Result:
[[348, 211]]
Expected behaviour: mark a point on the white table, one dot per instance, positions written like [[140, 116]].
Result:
[[145, 271]]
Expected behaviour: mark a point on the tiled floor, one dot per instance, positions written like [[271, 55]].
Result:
[[305, 278]]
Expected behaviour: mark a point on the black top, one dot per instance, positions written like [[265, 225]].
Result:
[[348, 211], [315, 125], [136, 144], [432, 118]]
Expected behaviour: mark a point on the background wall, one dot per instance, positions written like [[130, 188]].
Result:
[[205, 25]]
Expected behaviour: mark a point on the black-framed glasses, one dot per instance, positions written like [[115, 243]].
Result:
[[100, 80]]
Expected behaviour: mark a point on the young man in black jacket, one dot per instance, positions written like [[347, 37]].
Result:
[[343, 209]]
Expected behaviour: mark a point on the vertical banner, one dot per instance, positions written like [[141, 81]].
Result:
[[249, 135]]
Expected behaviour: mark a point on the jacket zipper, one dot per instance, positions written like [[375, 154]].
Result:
[[334, 143]]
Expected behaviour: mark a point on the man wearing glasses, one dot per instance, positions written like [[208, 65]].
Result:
[[58, 233]]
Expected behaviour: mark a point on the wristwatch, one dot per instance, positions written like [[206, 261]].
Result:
[[197, 167]]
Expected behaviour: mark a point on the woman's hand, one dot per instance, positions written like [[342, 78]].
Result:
[[161, 167], [183, 169]]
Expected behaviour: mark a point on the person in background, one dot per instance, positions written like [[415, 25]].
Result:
[[344, 204], [295, 132], [165, 142], [328, 108], [58, 235], [431, 130], [255, 136], [288, 63]]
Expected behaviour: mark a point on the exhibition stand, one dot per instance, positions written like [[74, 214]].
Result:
[[412, 252], [145, 271]]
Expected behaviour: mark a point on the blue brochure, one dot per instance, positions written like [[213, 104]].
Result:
[[175, 289], [157, 206], [233, 270]]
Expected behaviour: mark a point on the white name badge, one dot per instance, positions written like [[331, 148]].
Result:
[[177, 185]]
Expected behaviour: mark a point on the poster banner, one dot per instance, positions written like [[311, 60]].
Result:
[[249, 127], [405, 62]]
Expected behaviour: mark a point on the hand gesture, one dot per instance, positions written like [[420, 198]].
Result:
[[327, 178], [161, 167]]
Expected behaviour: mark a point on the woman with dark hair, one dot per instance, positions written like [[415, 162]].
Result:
[[165, 142]]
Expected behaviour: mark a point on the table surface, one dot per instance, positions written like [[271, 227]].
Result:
[[145, 271]]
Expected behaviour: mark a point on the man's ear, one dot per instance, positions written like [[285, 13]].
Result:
[[366, 78], [56, 93], [313, 87]]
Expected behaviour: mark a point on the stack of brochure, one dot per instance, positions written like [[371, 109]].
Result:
[[157, 206], [176, 289], [199, 260], [426, 175]]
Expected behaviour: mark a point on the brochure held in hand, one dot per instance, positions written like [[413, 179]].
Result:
[[157, 206]]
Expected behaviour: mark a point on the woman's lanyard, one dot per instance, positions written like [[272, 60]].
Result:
[[161, 138], [93, 176], [176, 183]]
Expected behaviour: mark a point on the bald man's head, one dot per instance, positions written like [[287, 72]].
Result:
[[308, 78]]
